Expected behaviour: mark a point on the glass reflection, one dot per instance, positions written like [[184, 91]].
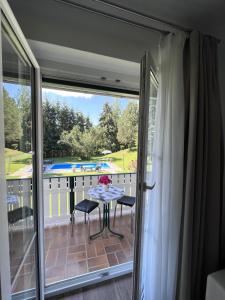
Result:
[[18, 159]]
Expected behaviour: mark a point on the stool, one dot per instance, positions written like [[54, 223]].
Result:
[[86, 206], [126, 201]]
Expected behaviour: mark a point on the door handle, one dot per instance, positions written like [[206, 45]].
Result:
[[148, 187]]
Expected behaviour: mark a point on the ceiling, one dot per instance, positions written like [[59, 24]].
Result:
[[56, 23], [204, 15], [207, 16], [72, 64], [69, 41]]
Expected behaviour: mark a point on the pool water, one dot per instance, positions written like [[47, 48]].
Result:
[[79, 165]]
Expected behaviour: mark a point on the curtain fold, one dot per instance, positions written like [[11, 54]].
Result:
[[184, 230], [200, 243], [164, 204]]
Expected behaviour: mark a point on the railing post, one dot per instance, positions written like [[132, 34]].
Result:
[[71, 197]]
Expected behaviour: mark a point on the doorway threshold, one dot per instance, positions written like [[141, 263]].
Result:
[[81, 281]]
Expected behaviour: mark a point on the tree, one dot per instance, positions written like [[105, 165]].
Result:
[[82, 121], [82, 143], [24, 103], [109, 126], [51, 133], [12, 120], [116, 111], [57, 119], [128, 126], [66, 118]]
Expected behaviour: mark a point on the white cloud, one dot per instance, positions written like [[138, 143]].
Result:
[[67, 93]]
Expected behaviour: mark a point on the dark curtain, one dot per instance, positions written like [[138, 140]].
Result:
[[202, 234]]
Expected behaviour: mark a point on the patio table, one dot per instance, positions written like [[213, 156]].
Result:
[[113, 193]]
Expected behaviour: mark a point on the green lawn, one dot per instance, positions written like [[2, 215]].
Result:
[[15, 160], [123, 159]]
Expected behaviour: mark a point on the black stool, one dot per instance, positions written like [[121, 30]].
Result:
[[20, 213], [127, 201], [87, 206]]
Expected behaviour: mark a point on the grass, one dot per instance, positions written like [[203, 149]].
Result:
[[123, 159], [16, 160]]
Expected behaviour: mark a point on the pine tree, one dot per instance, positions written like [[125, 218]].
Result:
[[128, 126], [56, 120], [66, 118], [51, 133], [109, 126]]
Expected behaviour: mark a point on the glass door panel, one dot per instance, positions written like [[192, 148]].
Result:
[[69, 176], [19, 158], [147, 129]]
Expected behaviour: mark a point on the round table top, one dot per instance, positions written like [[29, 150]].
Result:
[[112, 194]]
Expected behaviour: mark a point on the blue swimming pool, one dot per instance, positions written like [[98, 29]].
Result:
[[79, 166]]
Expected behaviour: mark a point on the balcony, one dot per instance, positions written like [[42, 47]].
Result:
[[69, 254]]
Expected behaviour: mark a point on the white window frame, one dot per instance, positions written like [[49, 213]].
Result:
[[4, 249]]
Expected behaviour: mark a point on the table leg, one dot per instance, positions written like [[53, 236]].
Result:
[[106, 223]]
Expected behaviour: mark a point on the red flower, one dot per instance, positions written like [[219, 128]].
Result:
[[104, 180]]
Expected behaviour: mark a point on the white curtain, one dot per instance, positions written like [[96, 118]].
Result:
[[163, 206]]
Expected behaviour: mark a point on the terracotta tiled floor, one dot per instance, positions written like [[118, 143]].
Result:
[[119, 288], [18, 243], [68, 256]]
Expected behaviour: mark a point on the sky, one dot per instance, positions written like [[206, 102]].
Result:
[[89, 104]]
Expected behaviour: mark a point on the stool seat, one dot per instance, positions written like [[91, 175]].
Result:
[[127, 200], [86, 206], [19, 214]]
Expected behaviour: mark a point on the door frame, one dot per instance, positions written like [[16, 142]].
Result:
[[5, 281], [37, 142], [147, 70], [99, 276]]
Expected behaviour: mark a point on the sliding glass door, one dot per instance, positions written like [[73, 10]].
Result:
[[17, 103], [19, 193]]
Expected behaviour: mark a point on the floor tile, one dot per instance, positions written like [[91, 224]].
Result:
[[75, 257], [121, 257], [68, 255], [97, 261], [113, 248], [112, 259]]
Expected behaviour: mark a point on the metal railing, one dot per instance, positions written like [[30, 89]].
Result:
[[62, 193]]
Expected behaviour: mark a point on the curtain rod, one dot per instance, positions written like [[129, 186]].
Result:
[[140, 14], [124, 20]]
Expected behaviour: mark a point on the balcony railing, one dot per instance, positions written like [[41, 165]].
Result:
[[58, 192]]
